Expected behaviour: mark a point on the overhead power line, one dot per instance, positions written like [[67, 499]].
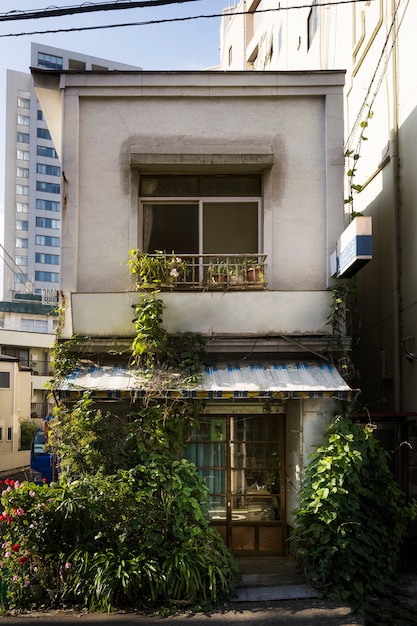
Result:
[[173, 19], [13, 16]]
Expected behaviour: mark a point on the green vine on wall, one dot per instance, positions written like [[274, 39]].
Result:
[[351, 173], [351, 522], [155, 350]]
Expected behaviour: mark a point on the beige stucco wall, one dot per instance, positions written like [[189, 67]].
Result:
[[289, 126]]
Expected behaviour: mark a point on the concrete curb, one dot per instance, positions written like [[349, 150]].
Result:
[[283, 592]]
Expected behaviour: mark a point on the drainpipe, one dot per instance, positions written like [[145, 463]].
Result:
[[395, 168]]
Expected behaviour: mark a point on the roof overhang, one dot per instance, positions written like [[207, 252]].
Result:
[[281, 380]]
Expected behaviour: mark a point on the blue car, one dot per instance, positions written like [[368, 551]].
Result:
[[42, 461]]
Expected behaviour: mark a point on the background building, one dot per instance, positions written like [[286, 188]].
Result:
[[33, 179]]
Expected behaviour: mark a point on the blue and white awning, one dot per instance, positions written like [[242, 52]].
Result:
[[285, 379]]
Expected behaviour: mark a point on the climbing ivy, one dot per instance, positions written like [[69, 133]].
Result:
[[350, 524], [154, 349]]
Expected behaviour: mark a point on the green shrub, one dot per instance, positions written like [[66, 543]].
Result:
[[27, 432], [350, 524], [138, 538]]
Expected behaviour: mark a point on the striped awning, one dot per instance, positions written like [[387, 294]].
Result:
[[286, 379]]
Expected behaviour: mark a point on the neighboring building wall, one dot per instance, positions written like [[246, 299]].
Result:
[[15, 397], [33, 178], [375, 42]]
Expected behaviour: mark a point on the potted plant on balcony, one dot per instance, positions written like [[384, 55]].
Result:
[[254, 272], [236, 274], [155, 271], [217, 274]]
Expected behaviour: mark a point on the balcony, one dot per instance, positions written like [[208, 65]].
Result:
[[201, 272]]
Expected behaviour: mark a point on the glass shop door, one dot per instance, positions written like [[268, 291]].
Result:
[[241, 459]]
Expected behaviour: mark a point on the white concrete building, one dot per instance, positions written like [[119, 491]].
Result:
[[33, 178], [214, 169]]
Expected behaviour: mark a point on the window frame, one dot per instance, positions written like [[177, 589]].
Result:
[[200, 201]]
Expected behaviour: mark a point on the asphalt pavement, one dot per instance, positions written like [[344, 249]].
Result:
[[289, 612]]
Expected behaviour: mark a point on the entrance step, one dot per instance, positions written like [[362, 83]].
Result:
[[269, 571]]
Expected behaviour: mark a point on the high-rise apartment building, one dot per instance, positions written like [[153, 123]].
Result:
[[33, 178]]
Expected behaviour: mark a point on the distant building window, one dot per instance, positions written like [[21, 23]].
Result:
[[48, 205], [1, 431], [41, 185], [22, 190], [47, 277], [312, 22], [40, 116], [5, 380], [50, 259], [43, 133], [22, 155], [50, 170], [50, 61], [280, 39], [34, 325], [230, 59], [46, 152], [23, 120], [21, 279], [21, 260], [22, 224], [9, 433], [22, 172], [42, 240], [21, 243], [23, 103], [47, 222], [22, 207], [22, 137]]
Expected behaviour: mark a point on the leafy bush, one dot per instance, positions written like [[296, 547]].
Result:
[[350, 524], [27, 432], [117, 537]]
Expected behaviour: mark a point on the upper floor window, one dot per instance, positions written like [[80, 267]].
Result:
[[46, 151], [22, 137], [47, 277], [312, 23], [23, 120], [50, 170], [22, 172], [40, 115], [183, 213], [50, 61], [34, 325], [22, 224], [48, 205], [43, 240], [23, 103], [5, 380], [50, 259], [41, 185], [21, 243], [22, 207], [43, 133], [46, 222], [21, 260], [22, 190], [22, 155]]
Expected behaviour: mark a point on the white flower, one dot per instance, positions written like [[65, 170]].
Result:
[[174, 273]]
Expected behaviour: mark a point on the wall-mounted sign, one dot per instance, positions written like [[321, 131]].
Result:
[[353, 248]]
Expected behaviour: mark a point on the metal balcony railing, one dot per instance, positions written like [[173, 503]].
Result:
[[199, 271], [41, 368], [40, 409]]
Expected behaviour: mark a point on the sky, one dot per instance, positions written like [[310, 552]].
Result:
[[182, 45]]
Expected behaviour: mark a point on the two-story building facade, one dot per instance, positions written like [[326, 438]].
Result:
[[220, 171]]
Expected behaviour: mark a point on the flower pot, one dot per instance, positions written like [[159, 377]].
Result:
[[254, 275]]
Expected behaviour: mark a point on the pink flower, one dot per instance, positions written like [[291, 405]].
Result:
[[1, 564], [8, 555], [32, 494], [68, 565], [26, 583], [15, 578], [20, 511]]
